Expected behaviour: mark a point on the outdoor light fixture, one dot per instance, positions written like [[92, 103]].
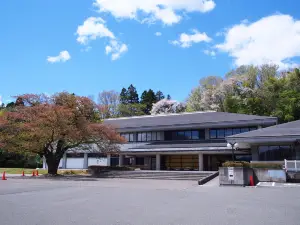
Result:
[[233, 146]]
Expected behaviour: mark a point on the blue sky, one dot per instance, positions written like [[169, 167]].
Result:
[[89, 46]]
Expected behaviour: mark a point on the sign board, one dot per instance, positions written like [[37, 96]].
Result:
[[230, 173]]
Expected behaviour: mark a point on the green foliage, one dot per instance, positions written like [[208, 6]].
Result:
[[148, 98], [128, 110], [236, 164]]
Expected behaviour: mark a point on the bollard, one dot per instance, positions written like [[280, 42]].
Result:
[[3, 176], [23, 174], [251, 181], [33, 173], [37, 172]]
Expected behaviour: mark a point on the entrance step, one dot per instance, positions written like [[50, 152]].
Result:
[[200, 176]]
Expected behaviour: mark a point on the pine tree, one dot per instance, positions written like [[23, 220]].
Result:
[[124, 96], [159, 96], [132, 94], [147, 99], [169, 97]]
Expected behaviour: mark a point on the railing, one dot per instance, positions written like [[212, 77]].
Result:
[[292, 165]]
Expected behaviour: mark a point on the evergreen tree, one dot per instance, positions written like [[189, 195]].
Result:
[[132, 94], [124, 96], [147, 99], [169, 97], [159, 96]]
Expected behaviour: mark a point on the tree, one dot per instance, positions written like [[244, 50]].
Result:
[[159, 96], [128, 110], [124, 96], [108, 102], [50, 126], [168, 97], [167, 106], [148, 98], [133, 97]]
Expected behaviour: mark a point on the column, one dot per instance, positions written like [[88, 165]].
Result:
[[108, 159], [121, 160], [64, 161], [133, 161], [200, 156], [206, 133], [44, 163], [85, 161], [157, 161]]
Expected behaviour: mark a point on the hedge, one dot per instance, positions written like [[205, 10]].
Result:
[[252, 165], [110, 168]]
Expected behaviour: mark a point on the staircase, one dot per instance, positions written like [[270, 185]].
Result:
[[161, 175]]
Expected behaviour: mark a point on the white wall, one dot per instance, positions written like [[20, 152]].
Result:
[[74, 163], [97, 161]]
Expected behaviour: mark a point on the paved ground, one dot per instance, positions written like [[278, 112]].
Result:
[[143, 202]]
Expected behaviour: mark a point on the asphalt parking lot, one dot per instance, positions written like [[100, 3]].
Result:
[[143, 202]]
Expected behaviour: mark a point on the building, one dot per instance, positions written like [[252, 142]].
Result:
[[186, 141], [274, 143]]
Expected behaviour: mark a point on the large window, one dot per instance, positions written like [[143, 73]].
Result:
[[185, 135], [276, 153], [224, 132], [148, 136], [128, 136]]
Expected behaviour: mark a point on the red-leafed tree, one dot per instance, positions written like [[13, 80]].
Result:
[[50, 126]]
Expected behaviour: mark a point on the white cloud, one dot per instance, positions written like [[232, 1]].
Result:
[[91, 29], [272, 39], [158, 34], [95, 27], [186, 40], [116, 49], [166, 11], [210, 52], [62, 57]]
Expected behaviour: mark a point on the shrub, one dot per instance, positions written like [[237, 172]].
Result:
[[236, 164], [266, 165]]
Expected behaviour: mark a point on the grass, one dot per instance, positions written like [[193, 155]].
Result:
[[41, 171]]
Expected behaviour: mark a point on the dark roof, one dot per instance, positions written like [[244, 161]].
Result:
[[196, 118], [286, 129]]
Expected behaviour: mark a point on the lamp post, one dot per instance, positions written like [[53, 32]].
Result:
[[232, 146]]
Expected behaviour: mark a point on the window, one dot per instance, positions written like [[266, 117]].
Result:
[[154, 136], [276, 153], [213, 134], [139, 136], [228, 132], [144, 136], [195, 135], [129, 137], [244, 129], [236, 131], [148, 136], [220, 133]]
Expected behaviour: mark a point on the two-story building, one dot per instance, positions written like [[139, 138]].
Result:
[[185, 141]]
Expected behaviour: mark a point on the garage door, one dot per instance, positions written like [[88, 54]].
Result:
[[75, 163], [97, 161]]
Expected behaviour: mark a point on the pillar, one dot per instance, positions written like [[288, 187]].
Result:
[[64, 161], [200, 156], [206, 134], [108, 159], [133, 161], [44, 163], [85, 161], [157, 161], [121, 160]]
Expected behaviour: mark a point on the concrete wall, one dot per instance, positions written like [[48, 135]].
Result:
[[241, 176], [269, 175]]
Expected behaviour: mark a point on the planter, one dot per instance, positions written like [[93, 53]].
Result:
[[239, 176], [269, 175]]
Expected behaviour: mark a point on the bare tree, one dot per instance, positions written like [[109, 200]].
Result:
[[108, 102]]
